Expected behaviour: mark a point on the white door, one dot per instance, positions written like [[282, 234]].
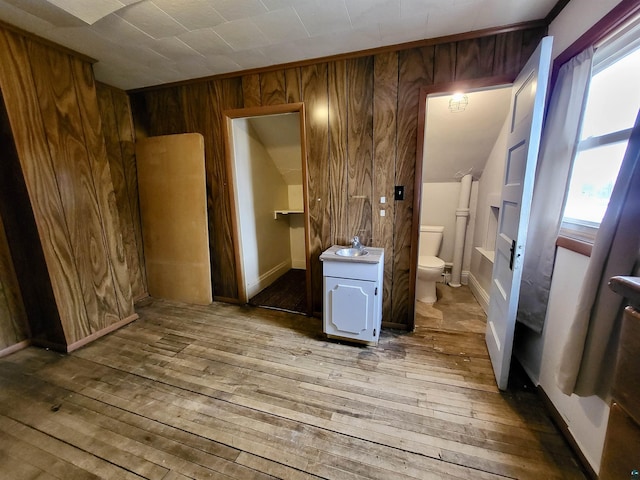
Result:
[[527, 111]]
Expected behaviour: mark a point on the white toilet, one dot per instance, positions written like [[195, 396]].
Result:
[[430, 267]]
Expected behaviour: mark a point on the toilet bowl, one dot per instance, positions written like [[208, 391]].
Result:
[[430, 267]]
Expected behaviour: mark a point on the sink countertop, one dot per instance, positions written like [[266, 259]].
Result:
[[374, 256]]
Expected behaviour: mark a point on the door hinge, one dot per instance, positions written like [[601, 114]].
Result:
[[376, 292], [374, 332]]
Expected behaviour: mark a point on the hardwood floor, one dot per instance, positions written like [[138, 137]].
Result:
[[239, 392], [289, 293]]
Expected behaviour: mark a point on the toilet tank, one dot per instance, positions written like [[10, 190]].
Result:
[[430, 240]]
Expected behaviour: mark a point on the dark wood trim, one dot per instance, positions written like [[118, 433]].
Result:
[[607, 24], [395, 326], [450, 87], [566, 433], [101, 333], [231, 114], [555, 11], [575, 245], [360, 53], [48, 43]]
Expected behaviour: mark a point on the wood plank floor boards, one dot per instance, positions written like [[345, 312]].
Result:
[[222, 391]]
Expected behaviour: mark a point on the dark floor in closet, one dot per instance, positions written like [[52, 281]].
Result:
[[286, 293]]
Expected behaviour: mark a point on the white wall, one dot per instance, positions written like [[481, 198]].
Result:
[[586, 417], [539, 354], [489, 188], [260, 189], [439, 204], [575, 19]]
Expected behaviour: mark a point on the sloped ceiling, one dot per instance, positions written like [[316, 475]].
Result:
[[460, 143], [141, 43], [280, 136]]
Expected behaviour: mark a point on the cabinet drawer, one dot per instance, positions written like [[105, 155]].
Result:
[[626, 385], [621, 446], [354, 270]]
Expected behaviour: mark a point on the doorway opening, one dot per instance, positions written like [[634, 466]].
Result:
[[266, 162], [459, 170]]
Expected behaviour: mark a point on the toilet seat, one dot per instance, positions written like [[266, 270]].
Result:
[[428, 261]]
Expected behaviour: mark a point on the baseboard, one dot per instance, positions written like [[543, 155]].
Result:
[[478, 292], [234, 301], [268, 278], [395, 326], [14, 348], [101, 333], [566, 433], [300, 264]]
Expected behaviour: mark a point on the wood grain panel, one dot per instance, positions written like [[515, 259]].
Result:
[[27, 126], [292, 85], [530, 40], [444, 64], [474, 58], [506, 59], [415, 70], [360, 147], [107, 204], [338, 194], [13, 317], [22, 235], [251, 90], [165, 111], [200, 120], [385, 94], [62, 119], [272, 88], [226, 94], [119, 180], [314, 80], [124, 122]]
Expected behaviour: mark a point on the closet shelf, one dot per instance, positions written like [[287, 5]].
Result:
[[285, 212]]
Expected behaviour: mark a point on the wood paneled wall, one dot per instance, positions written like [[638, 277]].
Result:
[[117, 128], [361, 133], [51, 101]]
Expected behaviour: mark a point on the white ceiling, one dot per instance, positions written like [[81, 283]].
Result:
[[141, 43], [459, 143]]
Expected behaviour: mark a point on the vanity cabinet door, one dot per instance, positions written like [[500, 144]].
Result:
[[349, 309]]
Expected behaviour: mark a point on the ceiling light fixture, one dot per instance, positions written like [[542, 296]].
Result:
[[458, 103]]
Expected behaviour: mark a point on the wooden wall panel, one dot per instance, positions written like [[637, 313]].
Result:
[[22, 235], [57, 97], [360, 147], [444, 64], [165, 112], [272, 88], [124, 121], [292, 85], [506, 59], [13, 317], [27, 126], [91, 125], [385, 94], [251, 91], [314, 82], [121, 186], [338, 155], [228, 94], [415, 69], [474, 58], [361, 141]]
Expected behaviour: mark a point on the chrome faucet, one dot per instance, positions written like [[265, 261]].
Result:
[[355, 243]]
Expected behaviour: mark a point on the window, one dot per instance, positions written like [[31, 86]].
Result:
[[610, 112]]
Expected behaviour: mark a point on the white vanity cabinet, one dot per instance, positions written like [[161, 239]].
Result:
[[352, 306]]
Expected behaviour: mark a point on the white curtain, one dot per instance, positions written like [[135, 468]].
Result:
[[556, 156], [590, 351]]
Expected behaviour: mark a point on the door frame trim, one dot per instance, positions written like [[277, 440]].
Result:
[[448, 87], [227, 117]]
